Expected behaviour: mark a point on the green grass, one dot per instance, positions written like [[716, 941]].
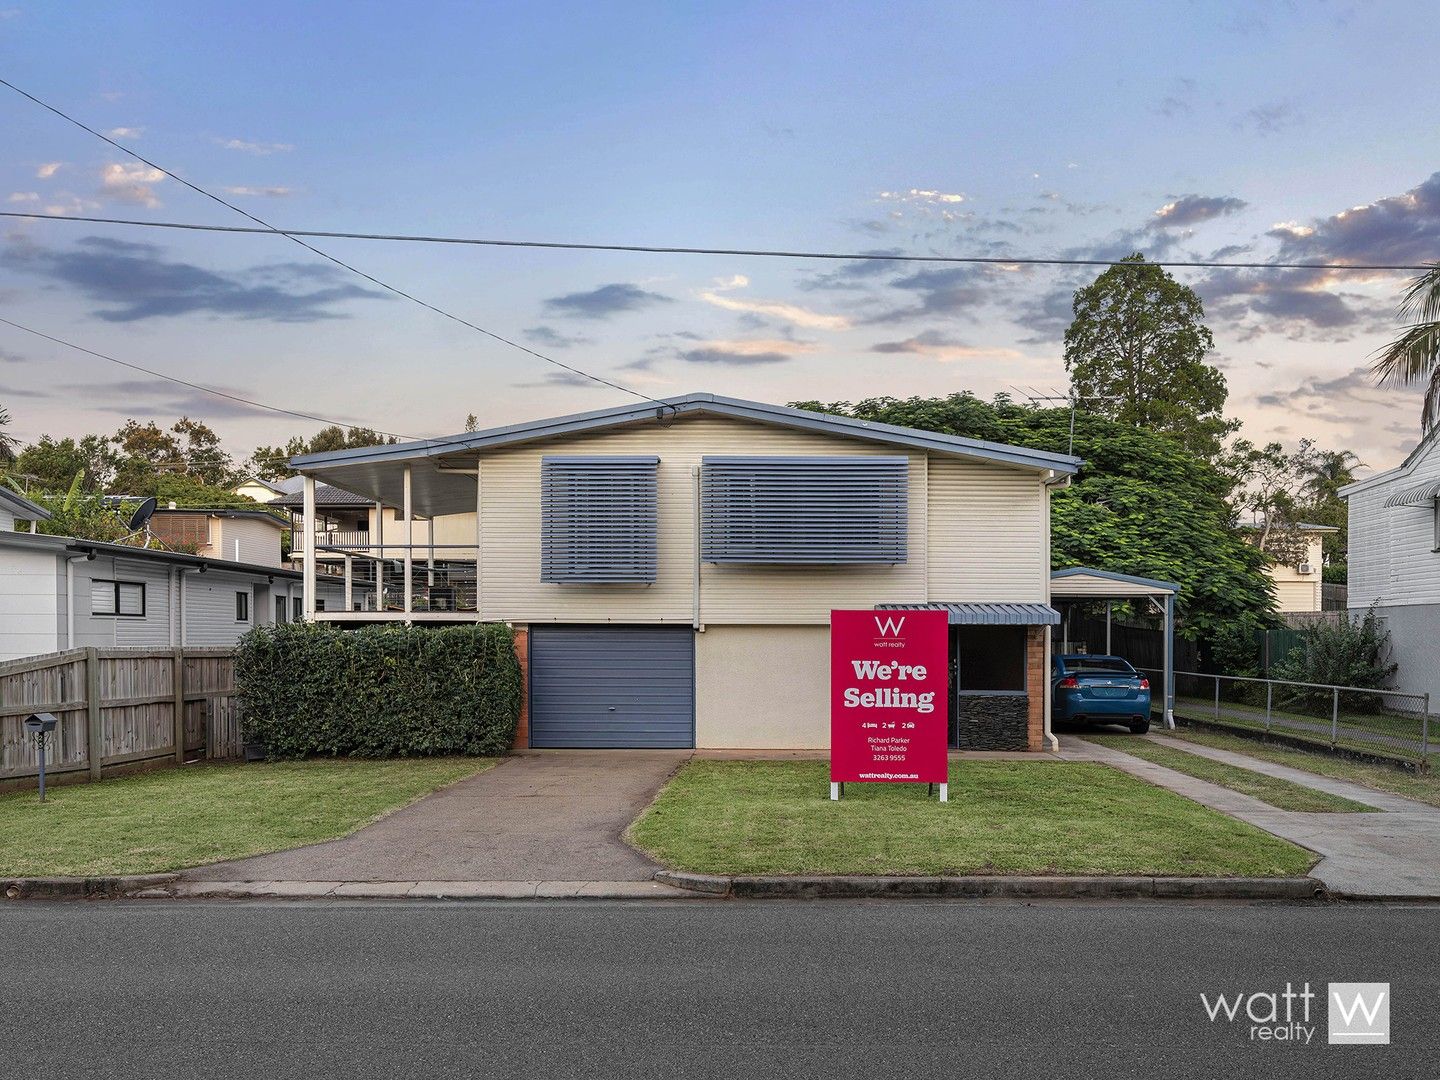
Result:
[[775, 817], [1421, 786], [174, 818], [1281, 794], [1367, 732]]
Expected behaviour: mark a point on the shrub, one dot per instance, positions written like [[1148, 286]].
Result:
[[1349, 652], [380, 691]]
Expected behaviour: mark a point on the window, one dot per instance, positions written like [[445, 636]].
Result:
[[242, 606], [279, 609], [598, 519], [120, 598], [319, 603], [297, 608], [991, 658], [818, 510]]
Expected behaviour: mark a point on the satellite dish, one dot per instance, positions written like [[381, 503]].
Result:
[[142, 514]]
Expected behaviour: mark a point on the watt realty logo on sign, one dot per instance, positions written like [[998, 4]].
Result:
[[1358, 1013]]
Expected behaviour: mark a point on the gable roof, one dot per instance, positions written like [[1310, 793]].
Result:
[[712, 404], [22, 507], [373, 471], [1412, 460]]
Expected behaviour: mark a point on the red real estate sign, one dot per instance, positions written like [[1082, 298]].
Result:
[[889, 676]]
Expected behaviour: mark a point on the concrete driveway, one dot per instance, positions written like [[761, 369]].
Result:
[[550, 816]]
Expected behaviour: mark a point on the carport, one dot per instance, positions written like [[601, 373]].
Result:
[[1083, 584]]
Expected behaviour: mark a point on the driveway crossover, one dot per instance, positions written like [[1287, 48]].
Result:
[[551, 816]]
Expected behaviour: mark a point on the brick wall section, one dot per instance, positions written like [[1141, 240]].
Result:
[[1036, 683], [522, 653]]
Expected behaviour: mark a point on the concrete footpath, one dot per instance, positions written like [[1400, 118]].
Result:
[[1391, 854]]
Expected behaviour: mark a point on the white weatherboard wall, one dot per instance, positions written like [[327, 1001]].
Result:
[[30, 614], [7, 520], [1395, 567], [987, 533], [986, 521]]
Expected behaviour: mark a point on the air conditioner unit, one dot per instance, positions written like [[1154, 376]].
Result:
[[1305, 568]]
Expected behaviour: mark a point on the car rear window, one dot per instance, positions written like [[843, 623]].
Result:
[[1097, 666]]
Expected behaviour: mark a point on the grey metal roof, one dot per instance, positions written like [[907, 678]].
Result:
[[987, 614], [77, 546], [22, 507], [325, 495], [689, 404], [1112, 575], [278, 520], [1418, 495]]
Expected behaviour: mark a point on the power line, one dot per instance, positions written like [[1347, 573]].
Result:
[[267, 227], [194, 386], [857, 256]]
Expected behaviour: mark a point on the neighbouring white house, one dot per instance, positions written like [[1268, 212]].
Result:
[[1299, 585], [259, 489], [59, 592], [1395, 561], [670, 568], [239, 535]]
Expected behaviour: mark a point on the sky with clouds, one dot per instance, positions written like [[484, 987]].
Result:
[[1258, 131]]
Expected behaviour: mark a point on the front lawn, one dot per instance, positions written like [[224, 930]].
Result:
[[174, 818], [1281, 794], [775, 817]]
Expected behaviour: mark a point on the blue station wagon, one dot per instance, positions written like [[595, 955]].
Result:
[[1100, 690]]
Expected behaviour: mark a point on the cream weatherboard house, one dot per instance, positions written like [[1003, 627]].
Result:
[[671, 568], [1395, 561]]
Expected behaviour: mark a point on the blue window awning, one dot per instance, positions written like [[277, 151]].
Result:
[[987, 614]]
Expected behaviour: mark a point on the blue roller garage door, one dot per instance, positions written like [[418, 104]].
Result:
[[612, 686]]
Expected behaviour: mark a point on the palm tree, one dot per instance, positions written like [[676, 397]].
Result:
[[1414, 356], [1328, 471], [8, 442]]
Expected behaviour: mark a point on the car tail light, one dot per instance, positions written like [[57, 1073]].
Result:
[[1144, 684], [1069, 683]]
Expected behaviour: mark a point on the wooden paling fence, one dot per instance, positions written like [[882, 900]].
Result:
[[118, 707]]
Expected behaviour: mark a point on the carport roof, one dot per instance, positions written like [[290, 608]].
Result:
[[991, 614], [1086, 583]]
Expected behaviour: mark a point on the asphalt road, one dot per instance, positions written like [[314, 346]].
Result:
[[598, 989]]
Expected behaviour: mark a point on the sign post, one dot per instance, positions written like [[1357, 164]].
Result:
[[889, 676]]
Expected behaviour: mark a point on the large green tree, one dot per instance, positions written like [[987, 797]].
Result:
[[51, 464], [1136, 354], [1142, 503], [273, 462]]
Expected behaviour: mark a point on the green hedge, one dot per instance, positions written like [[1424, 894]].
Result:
[[310, 690]]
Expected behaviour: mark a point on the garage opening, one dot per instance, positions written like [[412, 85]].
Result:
[[612, 687]]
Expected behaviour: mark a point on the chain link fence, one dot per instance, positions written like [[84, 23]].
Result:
[[1378, 721]]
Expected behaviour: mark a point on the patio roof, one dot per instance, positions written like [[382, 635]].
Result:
[[988, 614]]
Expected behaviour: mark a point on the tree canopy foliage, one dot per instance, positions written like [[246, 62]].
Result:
[[1142, 502], [1136, 354], [272, 462]]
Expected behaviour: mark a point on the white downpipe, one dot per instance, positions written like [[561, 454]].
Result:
[[184, 612], [70, 561], [479, 540], [697, 621]]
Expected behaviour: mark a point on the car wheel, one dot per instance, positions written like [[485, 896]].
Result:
[[1139, 727]]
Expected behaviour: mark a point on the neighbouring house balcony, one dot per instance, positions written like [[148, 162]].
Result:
[[375, 571]]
